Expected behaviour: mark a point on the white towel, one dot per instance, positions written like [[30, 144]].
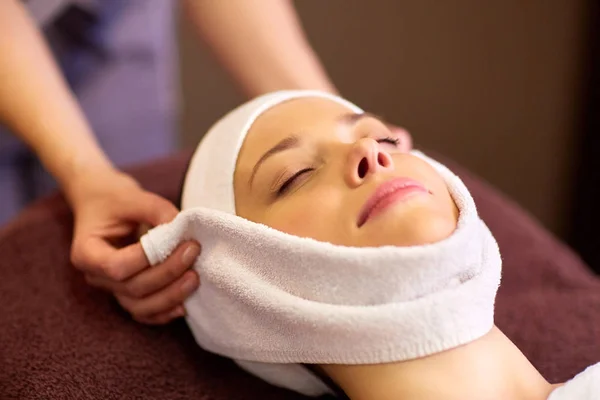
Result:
[[273, 301], [584, 386]]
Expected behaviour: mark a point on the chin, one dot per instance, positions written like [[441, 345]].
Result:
[[416, 229]]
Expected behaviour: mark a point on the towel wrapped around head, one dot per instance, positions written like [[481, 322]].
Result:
[[274, 301]]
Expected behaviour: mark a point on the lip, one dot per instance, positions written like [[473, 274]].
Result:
[[387, 194]]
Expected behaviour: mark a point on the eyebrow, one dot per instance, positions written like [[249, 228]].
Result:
[[293, 141], [286, 144], [353, 118]]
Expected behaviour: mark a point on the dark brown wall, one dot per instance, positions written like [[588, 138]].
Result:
[[494, 85]]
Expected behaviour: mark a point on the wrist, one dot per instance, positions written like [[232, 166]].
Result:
[[298, 82], [78, 174], [304, 73]]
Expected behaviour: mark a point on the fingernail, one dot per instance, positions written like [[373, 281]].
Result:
[[189, 284], [190, 254]]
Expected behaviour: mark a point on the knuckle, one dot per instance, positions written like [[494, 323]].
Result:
[[129, 305], [175, 297], [155, 202], [135, 308], [109, 272], [165, 302], [172, 270], [112, 270], [165, 211], [134, 289], [77, 256], [122, 300], [160, 319], [136, 311], [89, 279]]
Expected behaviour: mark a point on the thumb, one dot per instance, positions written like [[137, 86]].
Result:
[[153, 210]]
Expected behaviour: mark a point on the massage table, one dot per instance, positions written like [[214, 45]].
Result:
[[62, 339]]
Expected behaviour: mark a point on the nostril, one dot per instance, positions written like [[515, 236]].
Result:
[[383, 160], [363, 167]]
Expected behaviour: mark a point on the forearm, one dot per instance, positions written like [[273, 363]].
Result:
[[36, 104], [260, 43]]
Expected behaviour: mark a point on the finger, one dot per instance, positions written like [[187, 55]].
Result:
[[163, 318], [163, 300], [151, 279], [154, 210], [98, 257], [100, 282], [158, 277]]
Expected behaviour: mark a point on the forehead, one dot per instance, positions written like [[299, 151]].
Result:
[[296, 116]]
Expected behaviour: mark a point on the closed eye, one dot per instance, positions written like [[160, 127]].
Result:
[[289, 183], [390, 140]]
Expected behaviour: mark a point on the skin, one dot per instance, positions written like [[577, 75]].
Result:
[[108, 205], [324, 204]]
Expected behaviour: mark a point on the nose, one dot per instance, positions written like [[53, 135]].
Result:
[[366, 157]]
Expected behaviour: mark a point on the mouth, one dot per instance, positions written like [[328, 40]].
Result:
[[387, 194]]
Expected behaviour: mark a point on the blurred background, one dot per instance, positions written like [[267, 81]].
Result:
[[496, 86], [507, 89], [503, 88]]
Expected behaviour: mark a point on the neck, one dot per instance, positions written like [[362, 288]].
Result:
[[490, 368]]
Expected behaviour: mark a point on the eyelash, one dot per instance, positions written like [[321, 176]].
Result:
[[286, 185], [389, 140]]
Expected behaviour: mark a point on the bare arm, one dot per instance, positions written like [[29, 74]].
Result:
[[260, 43], [36, 104]]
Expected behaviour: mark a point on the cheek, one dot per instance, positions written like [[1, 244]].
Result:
[[437, 184], [299, 223], [416, 224], [313, 214], [446, 202], [433, 227]]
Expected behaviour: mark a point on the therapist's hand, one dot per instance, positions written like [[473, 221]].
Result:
[[109, 207]]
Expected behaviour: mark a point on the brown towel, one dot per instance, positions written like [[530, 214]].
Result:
[[60, 339]]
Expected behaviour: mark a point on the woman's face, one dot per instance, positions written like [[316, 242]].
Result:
[[312, 168]]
